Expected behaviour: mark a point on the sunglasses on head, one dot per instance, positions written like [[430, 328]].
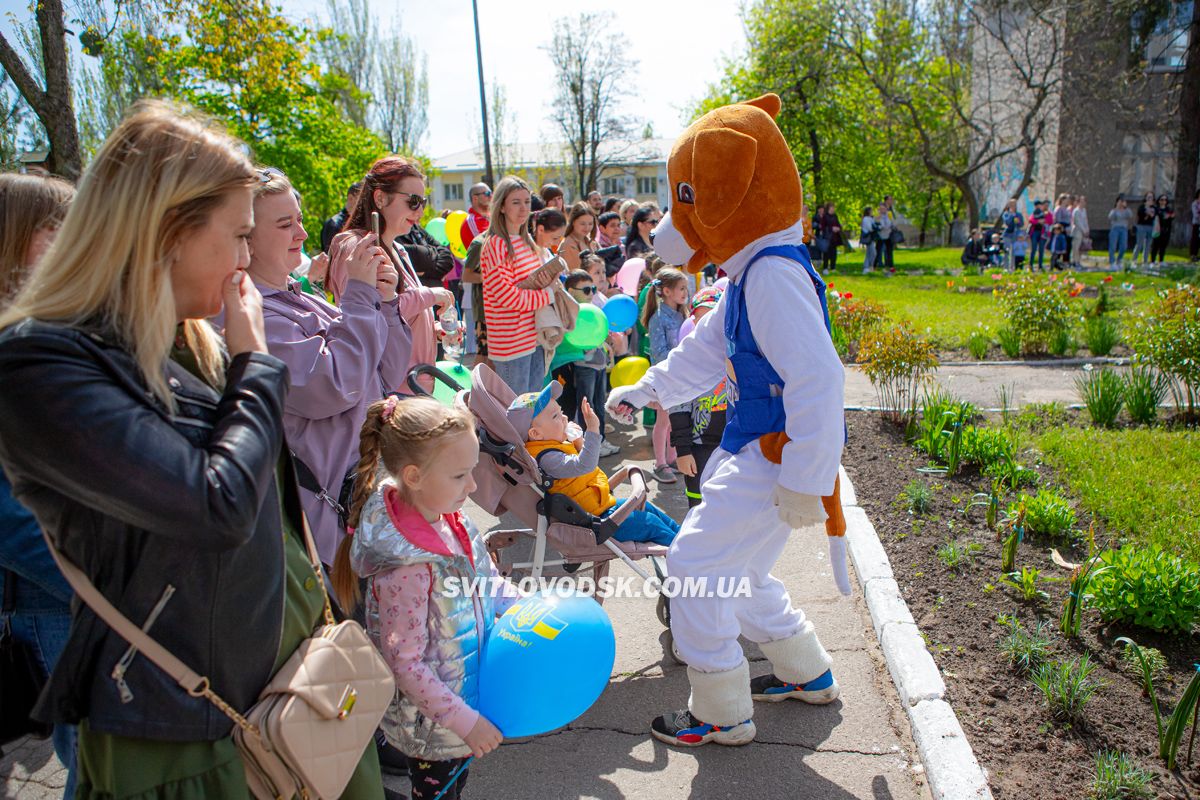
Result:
[[267, 173], [415, 201]]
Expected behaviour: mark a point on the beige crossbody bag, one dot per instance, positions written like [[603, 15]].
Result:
[[313, 721]]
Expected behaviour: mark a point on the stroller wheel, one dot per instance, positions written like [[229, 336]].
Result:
[[663, 610]]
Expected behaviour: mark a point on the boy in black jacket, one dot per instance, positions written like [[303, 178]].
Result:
[[697, 429]]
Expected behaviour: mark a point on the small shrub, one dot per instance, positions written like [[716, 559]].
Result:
[[1036, 309], [1061, 342], [854, 318], [1101, 335], [1145, 391], [1167, 336], [1067, 687], [1103, 392], [978, 343], [955, 554], [1047, 513], [1026, 651], [1150, 667], [1008, 473], [897, 362], [1148, 587], [1118, 778], [1026, 583], [917, 497], [987, 446], [1010, 342]]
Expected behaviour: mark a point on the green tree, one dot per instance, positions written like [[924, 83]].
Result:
[[845, 147], [244, 63]]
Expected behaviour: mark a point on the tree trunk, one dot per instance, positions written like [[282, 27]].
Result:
[[1189, 134], [814, 144], [52, 105], [968, 193]]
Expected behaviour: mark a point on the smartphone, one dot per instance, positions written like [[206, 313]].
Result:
[[375, 228]]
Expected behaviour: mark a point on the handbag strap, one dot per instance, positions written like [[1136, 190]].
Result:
[[191, 682]]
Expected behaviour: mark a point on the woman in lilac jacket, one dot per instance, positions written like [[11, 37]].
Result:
[[340, 359]]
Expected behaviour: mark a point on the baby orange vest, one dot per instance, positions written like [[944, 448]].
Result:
[[590, 491]]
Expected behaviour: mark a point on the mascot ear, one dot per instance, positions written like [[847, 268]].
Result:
[[722, 168], [769, 103]]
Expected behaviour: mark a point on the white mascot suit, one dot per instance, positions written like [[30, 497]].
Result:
[[736, 202]]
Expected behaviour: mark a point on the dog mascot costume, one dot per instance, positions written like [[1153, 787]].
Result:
[[736, 202]]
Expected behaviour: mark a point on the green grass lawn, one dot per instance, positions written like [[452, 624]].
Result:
[[937, 305], [1140, 481]]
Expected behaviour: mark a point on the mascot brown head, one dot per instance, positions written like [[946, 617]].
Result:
[[732, 180]]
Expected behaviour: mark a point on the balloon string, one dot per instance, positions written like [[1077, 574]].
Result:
[[454, 777]]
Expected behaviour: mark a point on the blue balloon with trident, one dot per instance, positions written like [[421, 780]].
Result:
[[545, 662]]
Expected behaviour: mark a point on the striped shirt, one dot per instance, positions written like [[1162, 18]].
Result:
[[508, 310]]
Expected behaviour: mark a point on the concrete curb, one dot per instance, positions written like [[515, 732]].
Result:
[[951, 769]]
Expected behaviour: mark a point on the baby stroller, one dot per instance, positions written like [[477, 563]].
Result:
[[508, 479]]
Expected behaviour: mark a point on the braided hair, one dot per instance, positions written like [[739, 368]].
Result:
[[398, 432]]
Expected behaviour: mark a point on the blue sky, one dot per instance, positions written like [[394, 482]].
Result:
[[678, 45]]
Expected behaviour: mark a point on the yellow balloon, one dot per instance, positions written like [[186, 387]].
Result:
[[629, 371], [454, 224]]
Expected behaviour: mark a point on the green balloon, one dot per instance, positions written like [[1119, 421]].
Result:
[[591, 328], [461, 375]]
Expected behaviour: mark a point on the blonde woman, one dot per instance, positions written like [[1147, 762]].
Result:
[[153, 464], [508, 257], [340, 358], [581, 235]]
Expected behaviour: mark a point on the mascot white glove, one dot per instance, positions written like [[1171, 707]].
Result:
[[837, 560], [798, 510], [624, 400]]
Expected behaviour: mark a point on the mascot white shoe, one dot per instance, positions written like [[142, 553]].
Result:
[[736, 202]]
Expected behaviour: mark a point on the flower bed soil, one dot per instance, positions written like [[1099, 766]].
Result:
[[1025, 753]]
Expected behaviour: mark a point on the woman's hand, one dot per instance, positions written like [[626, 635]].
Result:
[[245, 331], [387, 279], [318, 268], [483, 738], [364, 260]]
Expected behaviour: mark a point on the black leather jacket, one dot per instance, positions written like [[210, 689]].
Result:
[[140, 499]]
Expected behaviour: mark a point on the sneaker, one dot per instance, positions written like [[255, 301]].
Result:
[[684, 730], [664, 474], [819, 691], [607, 448]]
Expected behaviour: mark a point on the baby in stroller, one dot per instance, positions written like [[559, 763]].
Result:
[[572, 467]]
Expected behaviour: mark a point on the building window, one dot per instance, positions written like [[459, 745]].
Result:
[[1147, 164], [647, 185], [612, 186], [1166, 44], [453, 191]]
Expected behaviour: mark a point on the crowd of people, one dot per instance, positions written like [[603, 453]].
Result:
[[1058, 238], [188, 400]]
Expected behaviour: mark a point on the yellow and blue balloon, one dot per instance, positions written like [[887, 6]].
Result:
[[545, 662]]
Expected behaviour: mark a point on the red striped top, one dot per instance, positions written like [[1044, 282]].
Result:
[[508, 310]]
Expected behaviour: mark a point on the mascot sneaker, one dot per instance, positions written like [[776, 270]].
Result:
[[684, 730], [819, 691]]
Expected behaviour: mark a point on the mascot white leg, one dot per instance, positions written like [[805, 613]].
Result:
[[730, 542]]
